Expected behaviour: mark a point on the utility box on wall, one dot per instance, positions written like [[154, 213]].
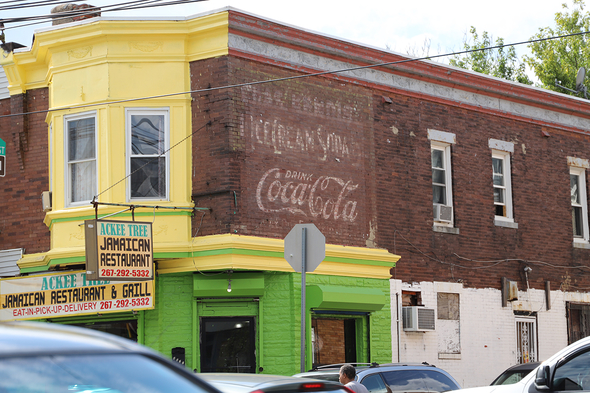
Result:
[[418, 319]]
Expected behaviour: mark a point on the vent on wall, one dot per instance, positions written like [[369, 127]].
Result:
[[418, 319], [443, 213]]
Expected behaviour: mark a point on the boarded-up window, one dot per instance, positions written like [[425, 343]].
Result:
[[448, 306], [448, 326]]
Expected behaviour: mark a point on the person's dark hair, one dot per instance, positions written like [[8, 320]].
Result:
[[348, 370]]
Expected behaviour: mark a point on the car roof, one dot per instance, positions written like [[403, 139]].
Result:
[[524, 367], [267, 382], [27, 338], [360, 367]]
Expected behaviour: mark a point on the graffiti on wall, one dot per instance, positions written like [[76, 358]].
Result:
[[299, 193]]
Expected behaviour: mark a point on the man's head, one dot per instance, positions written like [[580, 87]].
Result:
[[347, 373]]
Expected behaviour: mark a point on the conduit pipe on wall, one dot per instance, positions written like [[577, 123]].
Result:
[[399, 328]]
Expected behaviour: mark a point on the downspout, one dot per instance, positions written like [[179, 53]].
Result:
[[399, 328]]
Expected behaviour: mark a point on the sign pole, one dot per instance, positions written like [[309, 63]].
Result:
[[303, 313]]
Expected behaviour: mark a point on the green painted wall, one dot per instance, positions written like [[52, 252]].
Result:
[[173, 322], [170, 324], [380, 321]]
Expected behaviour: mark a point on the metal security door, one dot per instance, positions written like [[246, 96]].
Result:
[[526, 339]]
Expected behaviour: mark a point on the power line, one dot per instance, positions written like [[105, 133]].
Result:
[[322, 73], [132, 5]]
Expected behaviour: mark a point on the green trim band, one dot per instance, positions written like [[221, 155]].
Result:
[[126, 214]]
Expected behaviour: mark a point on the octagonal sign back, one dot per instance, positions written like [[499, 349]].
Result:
[[315, 247]]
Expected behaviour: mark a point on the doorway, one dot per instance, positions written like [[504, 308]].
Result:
[[334, 340], [228, 344]]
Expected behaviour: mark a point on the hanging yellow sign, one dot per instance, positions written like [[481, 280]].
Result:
[[119, 250]]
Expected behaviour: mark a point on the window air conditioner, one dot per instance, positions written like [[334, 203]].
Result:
[[443, 213], [418, 319]]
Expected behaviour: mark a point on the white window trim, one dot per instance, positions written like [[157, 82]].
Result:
[[581, 173], [446, 147], [158, 111], [67, 180], [505, 157]]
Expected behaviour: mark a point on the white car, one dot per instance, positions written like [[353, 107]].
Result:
[[567, 370]]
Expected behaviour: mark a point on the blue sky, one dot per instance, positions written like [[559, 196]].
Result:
[[400, 25]]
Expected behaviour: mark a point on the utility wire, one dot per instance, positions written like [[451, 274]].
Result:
[[132, 5], [322, 73]]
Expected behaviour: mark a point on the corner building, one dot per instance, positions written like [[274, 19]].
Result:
[[476, 185], [222, 174]]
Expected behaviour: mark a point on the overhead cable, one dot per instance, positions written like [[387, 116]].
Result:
[[322, 73]]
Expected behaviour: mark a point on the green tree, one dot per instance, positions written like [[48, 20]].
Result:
[[501, 62], [558, 60]]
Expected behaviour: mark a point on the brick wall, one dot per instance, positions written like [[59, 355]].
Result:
[[27, 173], [365, 166]]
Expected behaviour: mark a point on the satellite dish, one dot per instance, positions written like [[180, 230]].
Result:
[[580, 78]]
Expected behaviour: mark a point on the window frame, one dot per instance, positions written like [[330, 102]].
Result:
[[581, 174], [506, 167], [446, 149], [68, 178], [129, 112]]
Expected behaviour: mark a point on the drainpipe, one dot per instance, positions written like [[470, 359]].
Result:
[[399, 328]]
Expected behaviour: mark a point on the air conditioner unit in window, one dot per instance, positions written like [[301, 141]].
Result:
[[418, 319], [443, 213]]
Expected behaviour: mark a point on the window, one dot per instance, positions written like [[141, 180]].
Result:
[[442, 197], [573, 374], [578, 321], [81, 171], [579, 205], [502, 185], [442, 190], [147, 151], [418, 381]]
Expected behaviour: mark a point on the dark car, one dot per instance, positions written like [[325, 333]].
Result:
[[391, 378], [515, 373], [265, 383], [44, 357]]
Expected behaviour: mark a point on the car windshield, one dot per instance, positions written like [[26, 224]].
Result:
[[125, 373], [510, 377]]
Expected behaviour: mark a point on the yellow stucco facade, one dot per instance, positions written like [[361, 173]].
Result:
[[101, 67]]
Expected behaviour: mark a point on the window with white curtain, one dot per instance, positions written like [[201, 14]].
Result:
[[81, 171], [579, 204], [147, 151]]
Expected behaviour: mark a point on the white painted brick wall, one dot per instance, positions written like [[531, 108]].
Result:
[[487, 330]]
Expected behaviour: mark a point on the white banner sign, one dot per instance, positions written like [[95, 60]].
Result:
[[69, 294]]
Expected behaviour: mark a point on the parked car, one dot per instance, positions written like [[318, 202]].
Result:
[[391, 378], [265, 383], [515, 373], [568, 369], [43, 357]]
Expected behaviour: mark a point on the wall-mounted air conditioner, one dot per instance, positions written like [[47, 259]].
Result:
[[443, 213], [418, 319], [46, 201]]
